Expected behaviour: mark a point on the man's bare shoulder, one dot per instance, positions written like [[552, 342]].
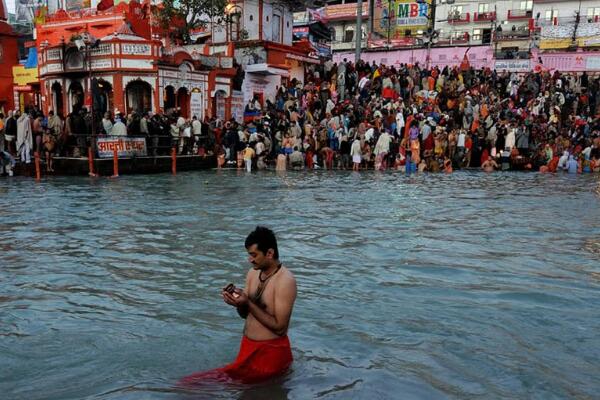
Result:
[[286, 278], [285, 272], [251, 274]]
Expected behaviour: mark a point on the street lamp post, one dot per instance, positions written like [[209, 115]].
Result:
[[358, 31], [389, 22]]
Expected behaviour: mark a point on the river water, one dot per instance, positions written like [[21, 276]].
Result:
[[462, 286]]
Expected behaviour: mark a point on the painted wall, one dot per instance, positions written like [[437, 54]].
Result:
[[288, 23], [267, 19], [265, 84], [479, 57], [8, 59], [251, 10]]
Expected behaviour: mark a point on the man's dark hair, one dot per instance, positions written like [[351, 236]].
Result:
[[264, 239]]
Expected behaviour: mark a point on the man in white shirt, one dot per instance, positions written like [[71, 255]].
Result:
[[461, 140], [426, 129], [196, 127], [119, 128], [107, 124], [400, 123], [363, 82]]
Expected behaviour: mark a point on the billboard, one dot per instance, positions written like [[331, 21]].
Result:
[[394, 18]]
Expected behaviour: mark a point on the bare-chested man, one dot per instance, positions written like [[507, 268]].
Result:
[[266, 303], [489, 165]]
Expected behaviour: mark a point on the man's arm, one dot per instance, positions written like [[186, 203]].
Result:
[[242, 310], [285, 295]]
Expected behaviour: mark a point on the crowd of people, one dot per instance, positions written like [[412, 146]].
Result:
[[362, 116], [24, 134]]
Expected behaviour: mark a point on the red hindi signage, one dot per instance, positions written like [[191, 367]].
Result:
[[125, 146]]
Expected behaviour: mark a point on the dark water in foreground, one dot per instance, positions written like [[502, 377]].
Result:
[[467, 286]]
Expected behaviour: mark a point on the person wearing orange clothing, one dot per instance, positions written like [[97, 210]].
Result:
[[266, 304]]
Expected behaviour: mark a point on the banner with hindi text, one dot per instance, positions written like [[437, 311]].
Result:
[[125, 146]]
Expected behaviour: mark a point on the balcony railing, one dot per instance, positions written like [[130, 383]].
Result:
[[512, 35], [456, 18], [483, 17], [519, 14], [462, 39], [567, 20]]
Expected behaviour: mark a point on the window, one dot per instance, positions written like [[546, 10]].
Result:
[[456, 9], [235, 17], [483, 8], [593, 12], [550, 14], [276, 28], [457, 35], [455, 12], [476, 34], [349, 35], [526, 5]]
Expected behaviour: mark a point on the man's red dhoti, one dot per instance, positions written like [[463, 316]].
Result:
[[256, 361]]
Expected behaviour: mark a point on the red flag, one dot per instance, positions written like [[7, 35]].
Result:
[[105, 5]]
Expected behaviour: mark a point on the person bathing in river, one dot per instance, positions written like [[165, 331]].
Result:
[[266, 304]]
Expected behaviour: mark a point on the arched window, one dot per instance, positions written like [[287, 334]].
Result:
[[235, 22], [169, 100], [139, 96], [76, 96], [57, 99]]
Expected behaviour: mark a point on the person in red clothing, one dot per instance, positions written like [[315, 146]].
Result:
[[266, 304], [469, 150]]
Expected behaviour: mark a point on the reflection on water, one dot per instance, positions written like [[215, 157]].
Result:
[[432, 286]]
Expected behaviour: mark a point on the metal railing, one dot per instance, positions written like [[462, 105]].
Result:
[[76, 145], [512, 35], [485, 16], [456, 18], [519, 14]]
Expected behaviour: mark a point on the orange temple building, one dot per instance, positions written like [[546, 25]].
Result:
[[131, 66]]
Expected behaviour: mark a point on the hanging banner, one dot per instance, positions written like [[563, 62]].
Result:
[[220, 100], [395, 18], [196, 104], [237, 106]]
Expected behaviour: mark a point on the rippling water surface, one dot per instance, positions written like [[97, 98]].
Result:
[[467, 286]]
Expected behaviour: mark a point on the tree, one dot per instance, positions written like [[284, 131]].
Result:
[[181, 17]]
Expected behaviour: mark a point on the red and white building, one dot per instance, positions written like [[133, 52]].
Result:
[[133, 67], [8, 59]]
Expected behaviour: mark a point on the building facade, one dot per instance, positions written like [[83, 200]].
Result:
[[8, 59], [507, 26], [516, 35], [119, 60]]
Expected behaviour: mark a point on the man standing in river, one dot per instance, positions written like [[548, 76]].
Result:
[[266, 303]]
